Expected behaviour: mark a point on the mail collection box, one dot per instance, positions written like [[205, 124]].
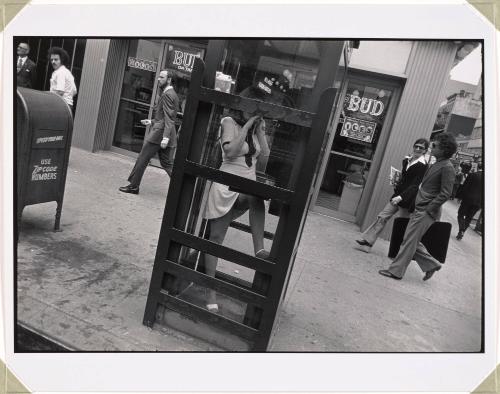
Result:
[[44, 126]]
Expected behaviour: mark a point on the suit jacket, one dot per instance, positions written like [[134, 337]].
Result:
[[472, 189], [26, 76], [407, 188], [163, 122], [436, 188]]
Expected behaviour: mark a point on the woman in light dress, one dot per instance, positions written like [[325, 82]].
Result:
[[243, 142]]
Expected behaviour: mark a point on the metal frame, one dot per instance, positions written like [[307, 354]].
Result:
[[263, 299]]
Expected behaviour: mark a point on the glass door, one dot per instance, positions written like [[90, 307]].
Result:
[[137, 95], [179, 60], [357, 134]]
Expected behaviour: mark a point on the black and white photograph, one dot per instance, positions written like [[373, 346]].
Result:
[[248, 195]]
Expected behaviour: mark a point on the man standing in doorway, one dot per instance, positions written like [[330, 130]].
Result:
[[62, 82], [472, 196], [162, 138], [26, 68], [434, 191]]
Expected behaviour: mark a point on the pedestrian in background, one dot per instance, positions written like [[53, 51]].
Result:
[[472, 197], [433, 192], [479, 224], [405, 191], [62, 81], [465, 167], [459, 179], [162, 138], [26, 68]]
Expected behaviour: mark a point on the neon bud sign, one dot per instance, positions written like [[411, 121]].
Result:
[[365, 106]]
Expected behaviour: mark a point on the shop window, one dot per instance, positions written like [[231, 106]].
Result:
[[179, 59], [137, 93], [356, 139], [361, 121], [281, 72]]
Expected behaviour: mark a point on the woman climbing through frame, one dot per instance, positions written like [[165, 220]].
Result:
[[243, 142]]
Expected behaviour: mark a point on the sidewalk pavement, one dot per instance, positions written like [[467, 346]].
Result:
[[86, 286]]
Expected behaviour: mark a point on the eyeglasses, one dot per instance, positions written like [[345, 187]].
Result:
[[20, 47], [418, 147]]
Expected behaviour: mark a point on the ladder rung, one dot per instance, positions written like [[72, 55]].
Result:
[[245, 104], [248, 229], [231, 290], [223, 252], [242, 185], [188, 309]]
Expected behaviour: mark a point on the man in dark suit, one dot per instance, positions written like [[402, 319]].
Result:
[[162, 138], [471, 195], [26, 68], [433, 192]]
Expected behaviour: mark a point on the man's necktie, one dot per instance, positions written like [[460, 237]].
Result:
[[19, 64]]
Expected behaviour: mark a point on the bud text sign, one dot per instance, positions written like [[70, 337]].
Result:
[[141, 64], [358, 129], [364, 105], [182, 59]]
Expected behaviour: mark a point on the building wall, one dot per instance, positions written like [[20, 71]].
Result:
[[110, 99], [91, 88], [453, 87], [460, 126], [427, 72], [467, 107], [394, 60]]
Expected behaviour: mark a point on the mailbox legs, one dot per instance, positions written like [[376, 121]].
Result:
[[58, 216]]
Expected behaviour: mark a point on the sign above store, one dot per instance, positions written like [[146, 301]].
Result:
[[364, 105], [182, 59], [141, 64], [358, 129]]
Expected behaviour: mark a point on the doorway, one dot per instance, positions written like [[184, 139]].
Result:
[[362, 129], [144, 60]]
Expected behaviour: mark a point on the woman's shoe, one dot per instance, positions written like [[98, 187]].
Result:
[[214, 308], [262, 254]]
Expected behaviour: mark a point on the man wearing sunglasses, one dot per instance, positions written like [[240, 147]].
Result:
[[433, 192], [405, 190]]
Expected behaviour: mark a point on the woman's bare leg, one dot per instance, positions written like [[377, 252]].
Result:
[[257, 221], [218, 230]]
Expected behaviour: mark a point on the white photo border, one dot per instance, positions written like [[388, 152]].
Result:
[[148, 372]]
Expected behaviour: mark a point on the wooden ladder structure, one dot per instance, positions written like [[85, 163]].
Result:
[[173, 271]]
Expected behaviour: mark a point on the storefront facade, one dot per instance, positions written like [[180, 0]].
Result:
[[390, 92]]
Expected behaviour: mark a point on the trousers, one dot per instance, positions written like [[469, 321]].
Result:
[[412, 248], [465, 214], [148, 150], [371, 233]]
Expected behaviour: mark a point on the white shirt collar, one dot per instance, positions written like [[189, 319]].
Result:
[[168, 88], [421, 159]]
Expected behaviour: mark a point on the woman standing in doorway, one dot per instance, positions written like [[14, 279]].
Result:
[[405, 190]]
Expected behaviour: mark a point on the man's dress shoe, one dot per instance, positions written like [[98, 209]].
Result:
[[129, 189], [389, 274], [429, 274]]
